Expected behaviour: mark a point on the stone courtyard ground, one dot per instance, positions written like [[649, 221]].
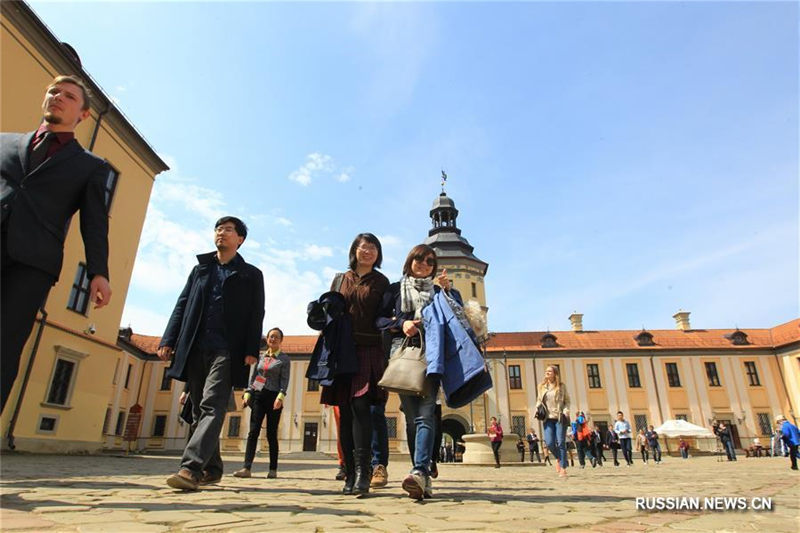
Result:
[[119, 494]]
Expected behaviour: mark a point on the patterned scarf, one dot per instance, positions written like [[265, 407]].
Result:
[[415, 293]]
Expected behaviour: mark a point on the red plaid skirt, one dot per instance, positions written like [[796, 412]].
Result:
[[371, 364]]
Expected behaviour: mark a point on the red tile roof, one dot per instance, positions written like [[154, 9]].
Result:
[[146, 343], [663, 339]]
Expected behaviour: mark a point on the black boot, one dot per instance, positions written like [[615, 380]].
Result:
[[363, 462], [349, 476]]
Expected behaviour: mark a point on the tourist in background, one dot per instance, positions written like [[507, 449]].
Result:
[[265, 396], [553, 395], [789, 435], [641, 443], [623, 429], [496, 438], [612, 441], [533, 445], [652, 442]]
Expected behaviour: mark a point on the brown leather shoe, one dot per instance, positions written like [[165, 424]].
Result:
[[380, 477], [183, 480], [244, 472], [209, 478], [272, 474]]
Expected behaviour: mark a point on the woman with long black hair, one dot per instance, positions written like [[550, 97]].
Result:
[[362, 287]]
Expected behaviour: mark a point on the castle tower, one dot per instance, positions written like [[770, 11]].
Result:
[[454, 251]]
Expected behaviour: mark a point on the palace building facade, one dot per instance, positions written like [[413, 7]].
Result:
[[743, 376]]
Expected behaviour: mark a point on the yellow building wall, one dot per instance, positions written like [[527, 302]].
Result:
[[26, 70], [789, 367]]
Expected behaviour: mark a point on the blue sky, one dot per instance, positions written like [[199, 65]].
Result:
[[622, 160]]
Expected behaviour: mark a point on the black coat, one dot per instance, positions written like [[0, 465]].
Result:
[[41, 202], [243, 309], [335, 351]]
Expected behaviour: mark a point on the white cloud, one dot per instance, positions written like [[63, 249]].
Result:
[[315, 164], [345, 175], [318, 165], [314, 252], [179, 225]]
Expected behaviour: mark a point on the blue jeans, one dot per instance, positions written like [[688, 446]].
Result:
[[627, 453], [555, 435], [380, 435], [422, 412], [656, 447], [729, 450]]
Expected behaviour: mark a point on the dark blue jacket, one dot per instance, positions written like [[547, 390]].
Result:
[[451, 352], [243, 300], [335, 351]]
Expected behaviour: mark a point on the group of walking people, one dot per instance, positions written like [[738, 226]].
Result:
[[213, 339], [383, 315]]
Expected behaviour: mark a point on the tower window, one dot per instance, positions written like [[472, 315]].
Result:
[[474, 290]]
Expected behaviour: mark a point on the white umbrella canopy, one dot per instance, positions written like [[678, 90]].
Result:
[[682, 428]]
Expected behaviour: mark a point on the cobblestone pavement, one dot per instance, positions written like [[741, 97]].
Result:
[[119, 494]]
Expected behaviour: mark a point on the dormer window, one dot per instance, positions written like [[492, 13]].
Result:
[[549, 341], [644, 339], [738, 338]]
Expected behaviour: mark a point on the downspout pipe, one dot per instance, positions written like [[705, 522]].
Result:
[[26, 378], [97, 126], [655, 384]]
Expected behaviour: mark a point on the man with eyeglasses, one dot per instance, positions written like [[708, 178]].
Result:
[[213, 336]]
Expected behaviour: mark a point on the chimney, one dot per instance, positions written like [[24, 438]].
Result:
[[576, 319], [682, 320]]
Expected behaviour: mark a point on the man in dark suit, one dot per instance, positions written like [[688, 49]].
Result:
[[213, 335], [45, 177]]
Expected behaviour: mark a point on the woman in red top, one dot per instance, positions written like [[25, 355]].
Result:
[[496, 436]]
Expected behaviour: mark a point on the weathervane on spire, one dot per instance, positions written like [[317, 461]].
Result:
[[444, 179]]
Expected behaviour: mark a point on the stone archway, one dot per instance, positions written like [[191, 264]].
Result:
[[453, 429]]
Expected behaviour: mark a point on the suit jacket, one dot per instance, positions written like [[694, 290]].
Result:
[[243, 309], [40, 204]]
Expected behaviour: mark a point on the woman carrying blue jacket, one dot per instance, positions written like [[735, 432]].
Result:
[[401, 314]]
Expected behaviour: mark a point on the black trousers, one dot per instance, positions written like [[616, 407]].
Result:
[[355, 423], [584, 449], [793, 455], [23, 290], [534, 449], [263, 405], [496, 450], [614, 452]]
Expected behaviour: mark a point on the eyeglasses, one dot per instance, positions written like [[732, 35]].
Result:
[[224, 229], [430, 261], [369, 248]]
